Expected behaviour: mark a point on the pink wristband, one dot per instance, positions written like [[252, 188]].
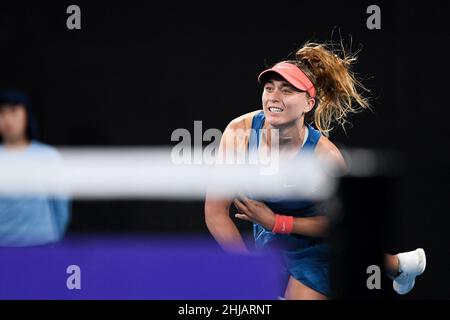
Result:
[[283, 224]]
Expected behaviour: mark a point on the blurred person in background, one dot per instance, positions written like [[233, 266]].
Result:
[[27, 220]]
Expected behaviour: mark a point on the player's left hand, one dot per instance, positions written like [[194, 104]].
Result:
[[254, 211]]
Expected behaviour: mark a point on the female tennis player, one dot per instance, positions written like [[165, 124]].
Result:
[[318, 89]]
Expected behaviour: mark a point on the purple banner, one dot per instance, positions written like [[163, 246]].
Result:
[[131, 267]]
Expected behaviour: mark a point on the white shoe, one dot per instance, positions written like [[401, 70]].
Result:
[[411, 265]]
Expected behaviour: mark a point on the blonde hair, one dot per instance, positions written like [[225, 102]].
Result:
[[336, 85]]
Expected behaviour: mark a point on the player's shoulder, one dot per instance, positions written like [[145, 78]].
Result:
[[327, 149], [243, 122], [43, 148]]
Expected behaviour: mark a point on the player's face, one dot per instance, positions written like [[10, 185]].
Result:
[[283, 103], [13, 122]]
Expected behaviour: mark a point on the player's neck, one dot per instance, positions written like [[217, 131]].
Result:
[[16, 143], [291, 134]]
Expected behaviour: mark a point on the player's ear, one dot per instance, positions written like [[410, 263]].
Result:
[[310, 104]]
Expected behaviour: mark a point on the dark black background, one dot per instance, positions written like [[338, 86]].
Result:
[[137, 71]]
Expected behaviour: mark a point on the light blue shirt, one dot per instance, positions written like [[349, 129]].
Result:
[[36, 220]]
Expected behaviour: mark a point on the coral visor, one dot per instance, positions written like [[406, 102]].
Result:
[[293, 75]]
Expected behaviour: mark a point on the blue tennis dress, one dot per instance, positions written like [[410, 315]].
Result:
[[305, 258]]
